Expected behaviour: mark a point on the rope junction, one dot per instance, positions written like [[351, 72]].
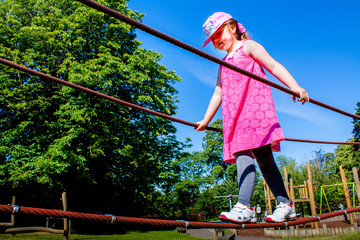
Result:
[[112, 219], [158, 34], [131, 105]]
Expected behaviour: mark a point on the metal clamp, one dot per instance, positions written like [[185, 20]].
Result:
[[186, 223], [319, 218], [113, 218], [16, 209]]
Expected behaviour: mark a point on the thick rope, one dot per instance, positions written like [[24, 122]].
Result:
[[156, 33], [111, 219], [131, 105]]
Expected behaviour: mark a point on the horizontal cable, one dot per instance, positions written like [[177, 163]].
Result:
[[101, 95], [112, 219], [325, 142], [156, 33]]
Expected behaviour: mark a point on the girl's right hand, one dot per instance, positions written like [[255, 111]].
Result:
[[304, 96], [201, 125]]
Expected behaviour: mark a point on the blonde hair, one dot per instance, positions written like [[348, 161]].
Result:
[[239, 36]]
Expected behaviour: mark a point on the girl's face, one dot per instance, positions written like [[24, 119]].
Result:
[[224, 38]]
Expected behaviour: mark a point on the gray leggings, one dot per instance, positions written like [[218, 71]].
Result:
[[246, 174]]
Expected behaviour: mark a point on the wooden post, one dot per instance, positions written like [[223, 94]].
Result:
[[66, 221], [309, 171], [312, 200], [292, 194], [346, 192], [12, 221], [356, 180], [268, 198], [306, 194], [286, 180], [13, 202]]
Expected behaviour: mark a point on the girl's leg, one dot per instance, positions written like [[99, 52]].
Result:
[[246, 176], [241, 212], [271, 173]]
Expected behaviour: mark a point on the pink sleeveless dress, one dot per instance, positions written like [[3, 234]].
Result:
[[249, 117]]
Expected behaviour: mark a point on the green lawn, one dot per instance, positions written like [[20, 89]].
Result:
[[152, 235]]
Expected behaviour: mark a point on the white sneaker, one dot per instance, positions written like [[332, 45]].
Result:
[[239, 214], [282, 212]]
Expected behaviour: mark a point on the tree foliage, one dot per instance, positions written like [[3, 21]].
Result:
[[54, 138], [348, 155]]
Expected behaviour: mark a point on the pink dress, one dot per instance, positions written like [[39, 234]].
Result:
[[249, 117]]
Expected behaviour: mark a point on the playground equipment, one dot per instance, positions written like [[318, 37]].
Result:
[[335, 188], [306, 194], [14, 229], [307, 190]]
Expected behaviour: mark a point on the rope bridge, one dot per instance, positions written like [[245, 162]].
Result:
[[112, 219], [10, 209]]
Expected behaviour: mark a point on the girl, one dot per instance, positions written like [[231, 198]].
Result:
[[250, 125]]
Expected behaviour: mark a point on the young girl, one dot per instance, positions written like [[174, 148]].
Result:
[[250, 125]]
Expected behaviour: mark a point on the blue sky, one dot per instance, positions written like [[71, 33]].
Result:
[[317, 41]]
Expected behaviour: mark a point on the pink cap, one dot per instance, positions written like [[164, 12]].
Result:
[[214, 22]]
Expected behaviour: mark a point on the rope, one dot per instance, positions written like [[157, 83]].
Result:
[[131, 105], [325, 142], [100, 95], [111, 219], [156, 33]]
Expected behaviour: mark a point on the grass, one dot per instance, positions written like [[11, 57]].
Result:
[[151, 235]]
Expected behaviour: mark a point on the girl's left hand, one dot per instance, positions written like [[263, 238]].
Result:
[[304, 96]]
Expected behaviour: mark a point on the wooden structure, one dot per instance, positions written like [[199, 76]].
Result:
[[12, 219], [309, 233], [64, 231], [346, 192], [306, 194]]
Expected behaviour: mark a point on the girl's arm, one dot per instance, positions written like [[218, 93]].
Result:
[[214, 105], [259, 54]]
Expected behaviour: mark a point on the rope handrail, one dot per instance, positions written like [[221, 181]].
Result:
[[97, 6], [325, 142], [131, 105], [112, 219], [98, 94]]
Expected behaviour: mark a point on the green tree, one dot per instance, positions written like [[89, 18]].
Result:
[[54, 138], [324, 172], [356, 123], [295, 172], [348, 155]]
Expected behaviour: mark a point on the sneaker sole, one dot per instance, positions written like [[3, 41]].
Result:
[[287, 219], [225, 219]]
